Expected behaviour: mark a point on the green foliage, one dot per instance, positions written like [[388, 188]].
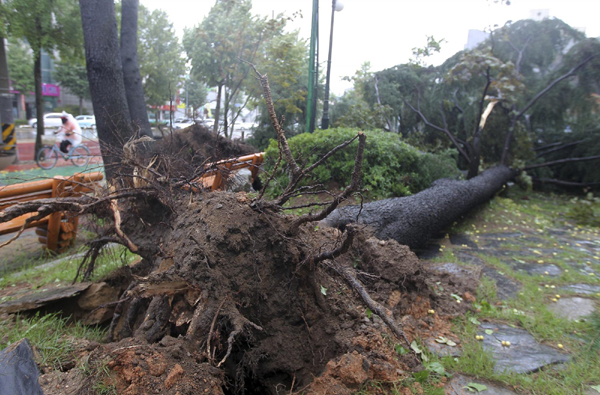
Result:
[[390, 166], [20, 66], [48, 25], [159, 56], [196, 93], [222, 44], [73, 76], [431, 47], [586, 211]]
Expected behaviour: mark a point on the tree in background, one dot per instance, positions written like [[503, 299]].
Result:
[[161, 64], [285, 64], [131, 71], [195, 92], [46, 25], [20, 64], [73, 76], [218, 47], [504, 83]]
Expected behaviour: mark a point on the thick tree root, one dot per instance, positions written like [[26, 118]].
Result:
[[385, 314]]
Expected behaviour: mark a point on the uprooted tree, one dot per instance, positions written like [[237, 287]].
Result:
[[263, 302]]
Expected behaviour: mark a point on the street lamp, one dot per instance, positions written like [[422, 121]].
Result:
[[335, 6]]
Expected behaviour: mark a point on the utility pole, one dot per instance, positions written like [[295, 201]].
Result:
[[311, 99]]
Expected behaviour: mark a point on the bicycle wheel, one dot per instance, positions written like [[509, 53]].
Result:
[[80, 156], [46, 157]]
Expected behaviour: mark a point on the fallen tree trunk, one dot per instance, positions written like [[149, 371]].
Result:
[[414, 219]]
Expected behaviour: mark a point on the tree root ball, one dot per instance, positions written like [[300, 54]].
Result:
[[249, 309]]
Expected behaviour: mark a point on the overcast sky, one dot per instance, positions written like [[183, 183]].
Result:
[[384, 31]]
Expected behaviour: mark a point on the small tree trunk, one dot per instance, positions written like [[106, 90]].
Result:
[[80, 105], [39, 102], [105, 75], [225, 115], [218, 108], [131, 71]]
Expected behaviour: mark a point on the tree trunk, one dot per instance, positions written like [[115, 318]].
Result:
[[39, 100], [226, 114], [80, 105], [414, 219], [218, 108], [474, 153], [131, 71], [105, 75]]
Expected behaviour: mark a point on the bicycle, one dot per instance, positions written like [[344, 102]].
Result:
[[47, 156]]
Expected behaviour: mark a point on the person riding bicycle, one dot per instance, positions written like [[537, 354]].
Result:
[[71, 132]]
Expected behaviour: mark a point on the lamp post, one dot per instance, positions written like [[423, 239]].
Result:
[[335, 6]]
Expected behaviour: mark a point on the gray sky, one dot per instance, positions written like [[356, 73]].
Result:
[[385, 31]]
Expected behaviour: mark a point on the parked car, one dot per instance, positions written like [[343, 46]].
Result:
[[51, 120], [86, 121], [182, 123], [153, 122]]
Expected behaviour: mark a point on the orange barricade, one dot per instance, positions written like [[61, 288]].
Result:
[[217, 172], [57, 231]]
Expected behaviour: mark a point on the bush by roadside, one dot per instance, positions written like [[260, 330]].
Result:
[[390, 168]]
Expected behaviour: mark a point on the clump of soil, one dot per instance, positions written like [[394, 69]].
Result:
[[234, 303], [197, 143]]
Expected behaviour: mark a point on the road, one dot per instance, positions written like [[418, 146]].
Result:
[[26, 149]]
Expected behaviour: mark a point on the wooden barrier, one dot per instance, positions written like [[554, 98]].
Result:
[[57, 231], [217, 172]]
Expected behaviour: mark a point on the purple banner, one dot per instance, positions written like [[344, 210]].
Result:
[[50, 90]]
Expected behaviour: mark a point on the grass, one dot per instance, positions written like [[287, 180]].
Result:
[[51, 335], [533, 215], [65, 271]]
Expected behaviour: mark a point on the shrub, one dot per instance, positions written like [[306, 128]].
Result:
[[390, 167]]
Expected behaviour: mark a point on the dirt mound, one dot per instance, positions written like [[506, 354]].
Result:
[[197, 143], [252, 313]]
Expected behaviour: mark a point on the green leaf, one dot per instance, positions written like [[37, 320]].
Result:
[[451, 343], [437, 368], [595, 388], [415, 347], [474, 321], [475, 387], [455, 296], [489, 332], [421, 376], [441, 339], [323, 290], [369, 313], [400, 350]]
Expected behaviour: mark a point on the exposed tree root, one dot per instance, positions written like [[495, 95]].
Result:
[[385, 314]]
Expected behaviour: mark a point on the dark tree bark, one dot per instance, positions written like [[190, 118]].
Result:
[[217, 108], [414, 219], [131, 71], [39, 100], [105, 75]]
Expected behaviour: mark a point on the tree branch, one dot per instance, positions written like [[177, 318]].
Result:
[[445, 131], [558, 162], [511, 131], [557, 148], [565, 183]]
